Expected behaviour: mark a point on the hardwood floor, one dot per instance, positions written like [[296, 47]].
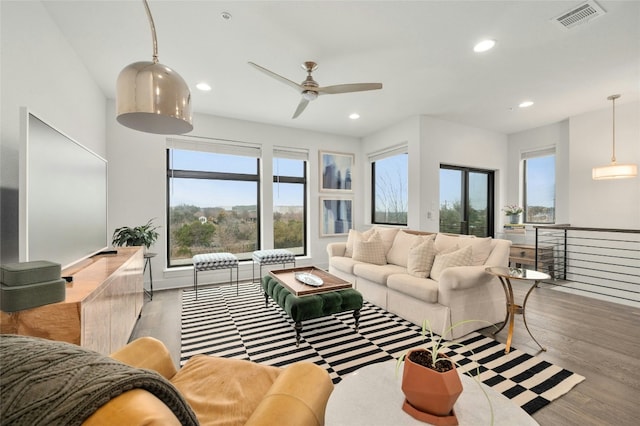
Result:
[[596, 339]]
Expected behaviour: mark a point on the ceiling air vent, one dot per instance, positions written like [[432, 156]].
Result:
[[580, 14]]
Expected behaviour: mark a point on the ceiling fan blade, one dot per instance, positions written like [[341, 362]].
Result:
[[278, 77], [301, 106], [347, 88]]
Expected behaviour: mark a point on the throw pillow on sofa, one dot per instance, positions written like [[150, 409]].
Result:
[[399, 252], [442, 261], [420, 258], [480, 247], [370, 250], [356, 236], [387, 235]]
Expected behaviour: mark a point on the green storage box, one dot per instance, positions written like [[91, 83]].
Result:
[[18, 298], [23, 273]]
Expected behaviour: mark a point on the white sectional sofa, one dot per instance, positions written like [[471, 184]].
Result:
[[420, 275]]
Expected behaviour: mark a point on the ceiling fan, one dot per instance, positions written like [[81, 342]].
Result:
[[310, 89]]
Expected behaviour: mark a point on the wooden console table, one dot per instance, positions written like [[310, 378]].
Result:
[[101, 307]]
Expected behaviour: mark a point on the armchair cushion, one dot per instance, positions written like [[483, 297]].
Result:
[[224, 391]]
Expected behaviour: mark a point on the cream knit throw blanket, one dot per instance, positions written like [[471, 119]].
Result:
[[43, 382]]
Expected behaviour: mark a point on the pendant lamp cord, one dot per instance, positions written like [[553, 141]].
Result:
[[153, 32], [613, 98]]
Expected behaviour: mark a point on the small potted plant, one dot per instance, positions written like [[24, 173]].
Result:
[[514, 212], [143, 235], [430, 380]]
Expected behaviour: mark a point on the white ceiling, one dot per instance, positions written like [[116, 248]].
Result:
[[420, 50]]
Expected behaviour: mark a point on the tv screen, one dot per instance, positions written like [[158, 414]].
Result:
[[63, 196]]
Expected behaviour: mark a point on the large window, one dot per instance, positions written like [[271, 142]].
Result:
[[389, 183], [289, 203], [466, 201], [539, 186], [212, 204]]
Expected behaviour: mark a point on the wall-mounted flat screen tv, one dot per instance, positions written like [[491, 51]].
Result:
[[63, 196]]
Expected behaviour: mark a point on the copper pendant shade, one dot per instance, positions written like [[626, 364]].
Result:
[[151, 97]]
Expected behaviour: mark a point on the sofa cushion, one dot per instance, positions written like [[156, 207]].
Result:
[[355, 236], [442, 261], [216, 388], [370, 250], [377, 273], [420, 258], [399, 251], [480, 247], [387, 235], [344, 264], [423, 289]]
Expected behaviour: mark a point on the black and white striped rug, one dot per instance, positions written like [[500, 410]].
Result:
[[222, 324]]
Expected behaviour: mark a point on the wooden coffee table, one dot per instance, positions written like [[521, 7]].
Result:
[[304, 302]]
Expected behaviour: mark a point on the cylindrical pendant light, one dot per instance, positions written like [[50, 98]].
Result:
[[151, 97], [614, 170]]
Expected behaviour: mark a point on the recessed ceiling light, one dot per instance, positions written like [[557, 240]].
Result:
[[226, 16], [525, 104], [484, 45], [203, 86], [354, 116]]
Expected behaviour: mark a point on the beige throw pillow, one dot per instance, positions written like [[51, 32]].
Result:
[[387, 235], [370, 250], [420, 258], [480, 247], [353, 237], [442, 261], [399, 251]]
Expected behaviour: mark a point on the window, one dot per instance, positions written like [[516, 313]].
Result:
[[539, 186], [389, 187], [466, 201], [289, 202], [212, 202]]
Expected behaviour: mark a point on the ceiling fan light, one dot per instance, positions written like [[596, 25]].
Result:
[[614, 171], [152, 98], [484, 45], [310, 95]]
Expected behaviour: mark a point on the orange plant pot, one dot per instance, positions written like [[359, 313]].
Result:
[[430, 395]]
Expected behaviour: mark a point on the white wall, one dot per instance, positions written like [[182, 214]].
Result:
[[431, 142], [40, 71], [604, 203], [137, 183]]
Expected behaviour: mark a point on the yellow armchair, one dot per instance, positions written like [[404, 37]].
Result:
[[220, 391]]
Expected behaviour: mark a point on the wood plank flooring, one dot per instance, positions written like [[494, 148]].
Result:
[[597, 339]]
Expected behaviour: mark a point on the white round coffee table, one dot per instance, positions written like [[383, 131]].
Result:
[[371, 396]]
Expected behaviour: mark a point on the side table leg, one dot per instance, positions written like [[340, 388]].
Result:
[[266, 300], [506, 317], [298, 327], [512, 314], [524, 317], [356, 316]]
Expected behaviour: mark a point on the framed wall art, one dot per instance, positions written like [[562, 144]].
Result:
[[336, 216], [336, 172]]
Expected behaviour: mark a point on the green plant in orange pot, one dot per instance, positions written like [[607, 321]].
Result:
[[430, 380]]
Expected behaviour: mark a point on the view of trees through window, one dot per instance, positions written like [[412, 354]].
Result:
[[390, 190], [466, 201], [289, 211], [540, 189], [213, 205]]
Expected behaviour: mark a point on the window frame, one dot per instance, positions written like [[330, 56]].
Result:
[[373, 158], [207, 175], [305, 212], [530, 155]]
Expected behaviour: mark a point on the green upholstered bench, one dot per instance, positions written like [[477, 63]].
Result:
[[313, 305]]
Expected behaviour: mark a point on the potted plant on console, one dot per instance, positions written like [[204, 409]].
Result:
[[430, 380], [514, 212], [143, 235]]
